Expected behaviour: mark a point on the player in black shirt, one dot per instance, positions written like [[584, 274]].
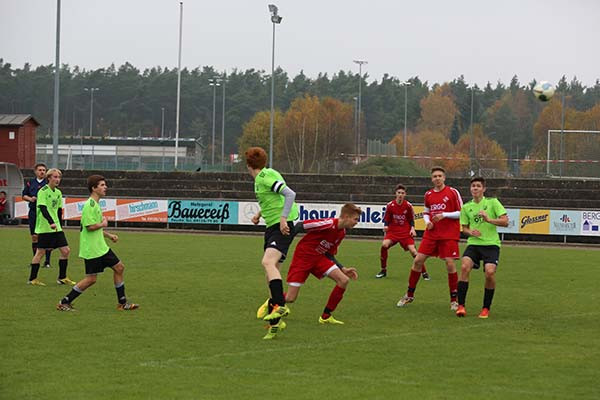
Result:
[[30, 195]]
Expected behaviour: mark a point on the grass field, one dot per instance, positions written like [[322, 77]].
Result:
[[196, 335]]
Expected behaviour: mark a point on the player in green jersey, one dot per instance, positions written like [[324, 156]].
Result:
[[480, 218], [278, 209], [48, 228], [93, 249]]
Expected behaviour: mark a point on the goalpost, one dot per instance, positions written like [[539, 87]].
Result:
[[562, 160]]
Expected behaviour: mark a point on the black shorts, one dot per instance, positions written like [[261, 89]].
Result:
[[52, 240], [487, 254], [96, 265], [31, 219], [276, 240]]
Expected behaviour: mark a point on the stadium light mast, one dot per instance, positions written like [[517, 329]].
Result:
[[178, 84], [91, 90], [223, 81], [56, 90], [275, 19], [406, 85], [360, 64], [472, 141], [214, 82]]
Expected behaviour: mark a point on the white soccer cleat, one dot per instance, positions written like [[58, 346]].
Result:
[[404, 301]]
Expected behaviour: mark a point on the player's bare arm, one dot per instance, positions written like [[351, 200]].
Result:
[[470, 232], [350, 272], [500, 221]]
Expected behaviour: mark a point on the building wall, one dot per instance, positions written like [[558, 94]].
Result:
[[21, 149]]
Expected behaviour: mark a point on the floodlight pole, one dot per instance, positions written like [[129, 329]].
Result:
[[162, 123], [91, 90], [275, 19], [223, 81], [214, 82], [406, 85], [360, 64], [472, 141], [178, 85], [56, 90], [562, 135]]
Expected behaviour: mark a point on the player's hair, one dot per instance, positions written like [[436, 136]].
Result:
[[400, 186], [2, 191], [40, 164], [438, 169], [53, 171], [93, 181], [256, 157], [350, 209], [478, 179]]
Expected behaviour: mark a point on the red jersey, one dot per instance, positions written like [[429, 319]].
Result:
[[323, 236], [398, 218], [445, 201]]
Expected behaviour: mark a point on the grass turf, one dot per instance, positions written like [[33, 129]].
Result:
[[196, 335]]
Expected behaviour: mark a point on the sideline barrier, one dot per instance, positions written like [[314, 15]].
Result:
[[521, 221]]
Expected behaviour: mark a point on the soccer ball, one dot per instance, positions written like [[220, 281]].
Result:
[[543, 91]]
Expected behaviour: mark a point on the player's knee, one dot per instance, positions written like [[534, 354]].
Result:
[[342, 281], [385, 245], [465, 267], [490, 274], [34, 238], [91, 279], [119, 268], [65, 251]]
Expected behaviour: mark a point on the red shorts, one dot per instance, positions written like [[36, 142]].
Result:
[[396, 238], [301, 267], [444, 248]]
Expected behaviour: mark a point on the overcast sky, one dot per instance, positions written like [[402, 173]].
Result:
[[438, 40]]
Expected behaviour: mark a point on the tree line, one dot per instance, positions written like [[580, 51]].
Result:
[[129, 102]]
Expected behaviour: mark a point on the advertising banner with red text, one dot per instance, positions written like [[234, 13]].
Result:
[[136, 210], [73, 206]]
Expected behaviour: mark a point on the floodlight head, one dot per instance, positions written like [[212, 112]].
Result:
[[276, 19], [273, 9]]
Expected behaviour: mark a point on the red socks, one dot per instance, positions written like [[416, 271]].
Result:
[[413, 278], [334, 299], [453, 285], [383, 257]]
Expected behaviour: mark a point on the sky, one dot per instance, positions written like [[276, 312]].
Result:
[[437, 40]]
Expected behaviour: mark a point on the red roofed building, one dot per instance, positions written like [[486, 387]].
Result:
[[17, 139]]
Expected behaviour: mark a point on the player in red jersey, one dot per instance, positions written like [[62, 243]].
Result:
[[399, 227], [315, 253], [441, 214]]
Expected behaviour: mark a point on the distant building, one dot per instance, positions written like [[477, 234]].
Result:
[[17, 139]]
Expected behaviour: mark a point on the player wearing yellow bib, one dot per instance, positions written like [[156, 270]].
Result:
[[48, 228], [277, 207], [93, 249], [480, 218]]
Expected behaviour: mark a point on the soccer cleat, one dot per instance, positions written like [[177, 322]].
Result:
[[128, 307], [381, 274], [47, 265], [330, 320], [425, 276], [453, 305], [485, 312], [406, 299], [65, 307], [66, 281], [278, 312], [274, 330], [36, 282], [263, 310], [461, 312]]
